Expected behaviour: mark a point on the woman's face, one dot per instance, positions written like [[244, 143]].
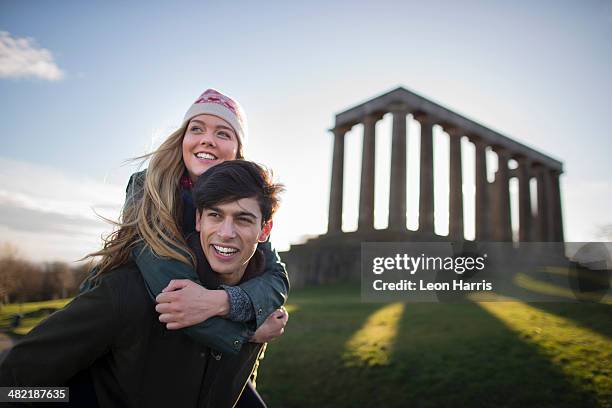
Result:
[[208, 141]]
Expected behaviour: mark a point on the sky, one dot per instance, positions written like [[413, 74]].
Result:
[[85, 86]]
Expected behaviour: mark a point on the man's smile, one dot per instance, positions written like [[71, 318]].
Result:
[[225, 251]]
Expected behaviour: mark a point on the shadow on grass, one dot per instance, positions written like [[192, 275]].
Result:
[[443, 355], [593, 316]]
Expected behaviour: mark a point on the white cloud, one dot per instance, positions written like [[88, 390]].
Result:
[[46, 188], [23, 58], [48, 247], [51, 214]]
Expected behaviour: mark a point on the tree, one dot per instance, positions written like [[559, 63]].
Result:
[[8, 271], [30, 278], [58, 279]]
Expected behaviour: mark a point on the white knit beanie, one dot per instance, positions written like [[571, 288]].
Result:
[[213, 102]]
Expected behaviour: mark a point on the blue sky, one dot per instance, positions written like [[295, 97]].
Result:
[[536, 71]]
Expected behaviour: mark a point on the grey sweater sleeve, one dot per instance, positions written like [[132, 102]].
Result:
[[241, 308]]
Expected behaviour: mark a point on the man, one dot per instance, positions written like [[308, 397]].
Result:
[[113, 331]]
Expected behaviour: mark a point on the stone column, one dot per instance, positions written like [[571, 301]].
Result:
[[397, 194], [482, 194], [525, 217], [502, 225], [550, 205], [368, 165], [337, 182], [542, 204], [426, 199], [455, 222], [556, 200]]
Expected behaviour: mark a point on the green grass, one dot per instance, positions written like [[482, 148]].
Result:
[[26, 324], [31, 306], [339, 352]]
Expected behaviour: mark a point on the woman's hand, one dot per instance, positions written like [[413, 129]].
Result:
[[184, 303], [273, 327]]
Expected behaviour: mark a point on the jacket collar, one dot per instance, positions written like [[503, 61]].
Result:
[[208, 277]]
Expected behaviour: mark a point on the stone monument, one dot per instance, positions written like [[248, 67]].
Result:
[[335, 256]]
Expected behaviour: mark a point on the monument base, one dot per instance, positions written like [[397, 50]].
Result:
[[336, 257]]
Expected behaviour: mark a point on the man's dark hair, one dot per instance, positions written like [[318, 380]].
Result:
[[236, 179]]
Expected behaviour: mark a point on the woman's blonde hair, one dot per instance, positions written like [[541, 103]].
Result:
[[152, 211]]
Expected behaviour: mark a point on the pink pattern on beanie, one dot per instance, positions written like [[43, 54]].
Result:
[[213, 96]]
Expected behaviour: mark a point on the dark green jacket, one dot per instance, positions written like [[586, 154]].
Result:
[[267, 292], [114, 330]]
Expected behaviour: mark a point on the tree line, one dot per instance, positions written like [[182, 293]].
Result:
[[25, 281]]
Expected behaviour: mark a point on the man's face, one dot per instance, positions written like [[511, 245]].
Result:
[[229, 234]]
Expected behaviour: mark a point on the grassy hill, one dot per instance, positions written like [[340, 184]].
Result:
[[340, 352]]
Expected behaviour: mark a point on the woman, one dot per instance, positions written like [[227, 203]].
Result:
[[159, 213]]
